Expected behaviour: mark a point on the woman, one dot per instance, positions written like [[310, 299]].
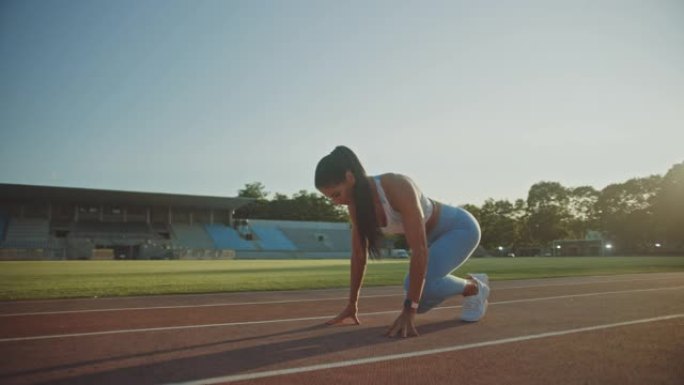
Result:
[[441, 238]]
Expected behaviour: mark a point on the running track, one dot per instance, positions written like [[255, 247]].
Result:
[[625, 329]]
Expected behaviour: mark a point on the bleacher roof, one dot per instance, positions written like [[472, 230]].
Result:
[[43, 194]]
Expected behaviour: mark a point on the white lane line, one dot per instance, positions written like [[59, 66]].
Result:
[[161, 329], [57, 312], [392, 357], [190, 306], [580, 280], [315, 318], [583, 295], [193, 295]]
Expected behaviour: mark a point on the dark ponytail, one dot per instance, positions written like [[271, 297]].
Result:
[[331, 170]]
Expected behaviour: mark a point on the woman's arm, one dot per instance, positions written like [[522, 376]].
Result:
[[403, 197], [359, 259]]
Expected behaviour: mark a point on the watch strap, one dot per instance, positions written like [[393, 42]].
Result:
[[408, 304]]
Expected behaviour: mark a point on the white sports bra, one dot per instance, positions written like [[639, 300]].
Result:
[[395, 224]]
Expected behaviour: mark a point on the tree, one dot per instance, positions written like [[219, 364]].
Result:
[[523, 236], [582, 209], [547, 212], [625, 211], [546, 194], [302, 206], [258, 208], [498, 223], [669, 209], [634, 215], [306, 206], [254, 190]]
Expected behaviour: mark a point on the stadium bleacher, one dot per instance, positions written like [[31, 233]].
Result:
[[252, 239], [307, 239], [27, 233], [64, 234], [272, 238], [338, 239], [225, 237], [306, 236], [3, 225], [192, 236], [104, 228]]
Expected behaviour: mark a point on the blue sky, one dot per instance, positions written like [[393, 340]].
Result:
[[472, 99]]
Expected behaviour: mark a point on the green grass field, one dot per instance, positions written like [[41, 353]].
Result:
[[69, 279]]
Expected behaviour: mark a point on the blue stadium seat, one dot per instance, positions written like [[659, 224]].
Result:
[[192, 236], [270, 238], [27, 233], [225, 237], [307, 239]]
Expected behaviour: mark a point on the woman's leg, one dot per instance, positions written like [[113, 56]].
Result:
[[452, 242]]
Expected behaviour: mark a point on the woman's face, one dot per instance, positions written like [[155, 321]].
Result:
[[340, 194]]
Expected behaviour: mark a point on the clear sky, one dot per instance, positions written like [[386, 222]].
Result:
[[472, 99]]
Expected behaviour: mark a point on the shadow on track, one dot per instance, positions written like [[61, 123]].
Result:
[[229, 360]]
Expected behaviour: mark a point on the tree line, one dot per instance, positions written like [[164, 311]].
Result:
[[301, 206], [639, 216]]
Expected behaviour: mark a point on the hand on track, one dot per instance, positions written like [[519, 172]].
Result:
[[348, 316], [404, 325]]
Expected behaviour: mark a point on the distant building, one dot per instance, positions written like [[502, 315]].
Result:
[[592, 245], [41, 222]]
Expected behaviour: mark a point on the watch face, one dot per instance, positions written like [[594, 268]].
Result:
[[407, 303]]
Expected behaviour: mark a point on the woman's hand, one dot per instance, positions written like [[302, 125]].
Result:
[[348, 316], [404, 325]]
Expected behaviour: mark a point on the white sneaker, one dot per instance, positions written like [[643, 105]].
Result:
[[475, 306]]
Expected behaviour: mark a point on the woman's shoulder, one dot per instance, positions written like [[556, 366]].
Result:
[[397, 186], [392, 177]]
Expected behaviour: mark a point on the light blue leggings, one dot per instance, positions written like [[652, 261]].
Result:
[[450, 244]]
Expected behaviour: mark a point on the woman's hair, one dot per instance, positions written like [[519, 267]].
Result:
[[330, 171]]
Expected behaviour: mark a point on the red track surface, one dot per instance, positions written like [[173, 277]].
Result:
[[594, 330]]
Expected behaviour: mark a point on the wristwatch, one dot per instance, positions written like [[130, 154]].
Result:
[[408, 304]]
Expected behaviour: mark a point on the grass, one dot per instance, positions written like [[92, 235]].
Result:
[[69, 279]]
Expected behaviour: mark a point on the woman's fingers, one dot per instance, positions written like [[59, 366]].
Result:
[[414, 331], [342, 318], [337, 319], [392, 330], [402, 325]]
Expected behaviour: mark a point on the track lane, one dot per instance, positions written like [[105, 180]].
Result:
[[18, 326], [12, 308], [608, 354], [170, 356]]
